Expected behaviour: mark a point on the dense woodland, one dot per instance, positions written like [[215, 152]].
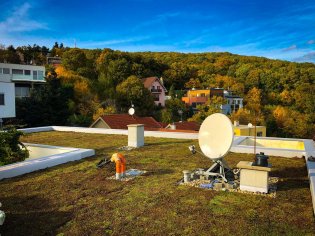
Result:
[[89, 83]]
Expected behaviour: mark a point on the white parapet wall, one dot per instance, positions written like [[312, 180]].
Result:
[[44, 156], [310, 152], [157, 134], [271, 150]]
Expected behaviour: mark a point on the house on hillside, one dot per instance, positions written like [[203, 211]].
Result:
[[120, 121], [196, 97], [157, 89], [16, 81]]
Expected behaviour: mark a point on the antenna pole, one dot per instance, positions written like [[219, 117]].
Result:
[[255, 123]]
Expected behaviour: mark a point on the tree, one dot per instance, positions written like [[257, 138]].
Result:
[[173, 106], [166, 116], [193, 83], [171, 91], [133, 91], [9, 55], [212, 106], [74, 59], [47, 105]]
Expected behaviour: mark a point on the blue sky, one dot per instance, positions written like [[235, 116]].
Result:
[[270, 28]]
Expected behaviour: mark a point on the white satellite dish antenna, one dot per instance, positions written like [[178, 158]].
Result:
[[131, 111], [216, 136], [215, 140]]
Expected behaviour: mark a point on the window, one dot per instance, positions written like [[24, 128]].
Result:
[[40, 74], [202, 95], [22, 92], [156, 97], [2, 99], [259, 134], [35, 74], [27, 72], [6, 71], [0, 71], [17, 72]]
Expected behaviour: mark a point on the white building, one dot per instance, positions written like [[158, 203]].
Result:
[[157, 89], [233, 103], [16, 81]]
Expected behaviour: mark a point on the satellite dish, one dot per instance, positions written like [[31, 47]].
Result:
[[131, 111], [216, 136]]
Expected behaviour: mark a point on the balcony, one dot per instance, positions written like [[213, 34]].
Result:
[[28, 78], [156, 90]]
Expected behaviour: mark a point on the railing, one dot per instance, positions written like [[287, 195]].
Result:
[[27, 78], [156, 90]]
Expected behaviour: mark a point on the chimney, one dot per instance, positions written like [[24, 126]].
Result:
[[173, 126]]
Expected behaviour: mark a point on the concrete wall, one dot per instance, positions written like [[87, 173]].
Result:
[[37, 151], [243, 130], [30, 165], [8, 109]]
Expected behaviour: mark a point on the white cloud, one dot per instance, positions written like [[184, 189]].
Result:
[[111, 42], [19, 21], [308, 57], [292, 47]]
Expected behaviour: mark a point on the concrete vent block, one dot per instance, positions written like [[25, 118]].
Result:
[[135, 135]]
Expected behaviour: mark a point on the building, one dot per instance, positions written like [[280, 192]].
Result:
[[24, 77], [7, 98], [196, 97], [184, 126], [55, 61], [120, 121], [245, 130], [157, 89], [16, 81]]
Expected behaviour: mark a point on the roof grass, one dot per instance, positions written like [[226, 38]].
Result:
[[77, 198]]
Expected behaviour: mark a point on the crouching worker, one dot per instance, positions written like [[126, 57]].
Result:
[[120, 162]]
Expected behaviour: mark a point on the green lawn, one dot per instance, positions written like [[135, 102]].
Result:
[[77, 199]]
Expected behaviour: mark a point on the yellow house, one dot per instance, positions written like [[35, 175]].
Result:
[[196, 97], [244, 130]]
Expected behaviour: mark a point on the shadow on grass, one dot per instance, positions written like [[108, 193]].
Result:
[[159, 172], [31, 215], [148, 144], [289, 184], [290, 172]]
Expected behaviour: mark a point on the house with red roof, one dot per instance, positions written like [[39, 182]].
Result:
[[157, 89], [184, 125], [120, 121]]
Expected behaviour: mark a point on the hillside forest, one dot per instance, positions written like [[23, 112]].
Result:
[[90, 83]]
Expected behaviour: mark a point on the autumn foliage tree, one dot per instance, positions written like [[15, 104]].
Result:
[[132, 91]]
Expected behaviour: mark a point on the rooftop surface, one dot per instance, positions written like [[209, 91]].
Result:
[[76, 197]]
